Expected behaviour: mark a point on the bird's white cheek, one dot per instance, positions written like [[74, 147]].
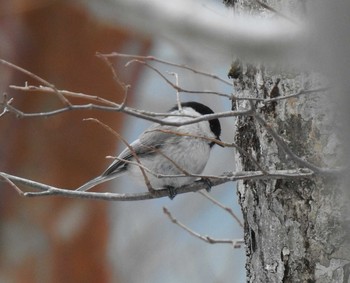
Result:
[[195, 159]]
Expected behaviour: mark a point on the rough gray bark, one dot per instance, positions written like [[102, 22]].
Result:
[[294, 230]]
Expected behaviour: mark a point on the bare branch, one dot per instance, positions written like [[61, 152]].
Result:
[[248, 155], [181, 66], [219, 204], [109, 129], [282, 144], [154, 117], [145, 115], [299, 93], [178, 100], [41, 80], [235, 243], [5, 103], [268, 100], [44, 89], [112, 106], [179, 89], [124, 86], [47, 190], [13, 185], [219, 142], [27, 182]]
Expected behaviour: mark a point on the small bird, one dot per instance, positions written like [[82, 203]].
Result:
[[163, 149]]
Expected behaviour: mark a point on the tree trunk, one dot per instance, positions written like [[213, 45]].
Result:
[[294, 229]]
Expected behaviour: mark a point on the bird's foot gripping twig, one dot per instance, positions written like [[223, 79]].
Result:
[[172, 191], [207, 183]]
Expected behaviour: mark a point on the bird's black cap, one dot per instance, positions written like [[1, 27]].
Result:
[[202, 109]]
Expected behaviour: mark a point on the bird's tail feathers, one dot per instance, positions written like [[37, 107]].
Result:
[[96, 181]]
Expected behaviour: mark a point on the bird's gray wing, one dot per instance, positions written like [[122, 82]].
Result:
[[116, 168], [148, 143]]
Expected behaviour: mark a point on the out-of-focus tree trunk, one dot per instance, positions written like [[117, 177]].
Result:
[[294, 229]]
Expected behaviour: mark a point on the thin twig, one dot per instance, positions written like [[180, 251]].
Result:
[[30, 88], [44, 89], [13, 185], [124, 86], [235, 243], [216, 141], [41, 80], [269, 100], [160, 176], [5, 103], [178, 100], [109, 129], [183, 173], [112, 106], [284, 146], [27, 182], [145, 115], [299, 93], [152, 58], [193, 187], [178, 88], [226, 208], [248, 155]]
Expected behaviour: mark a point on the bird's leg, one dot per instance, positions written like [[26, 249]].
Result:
[[172, 191], [206, 182]]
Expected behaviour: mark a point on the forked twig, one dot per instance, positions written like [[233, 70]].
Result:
[[46, 190], [178, 88], [236, 244], [181, 66], [5, 103], [67, 93], [41, 80], [124, 86], [178, 101], [226, 208], [109, 129], [12, 184], [284, 146]]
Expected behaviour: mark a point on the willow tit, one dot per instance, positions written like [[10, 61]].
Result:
[[164, 149]]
